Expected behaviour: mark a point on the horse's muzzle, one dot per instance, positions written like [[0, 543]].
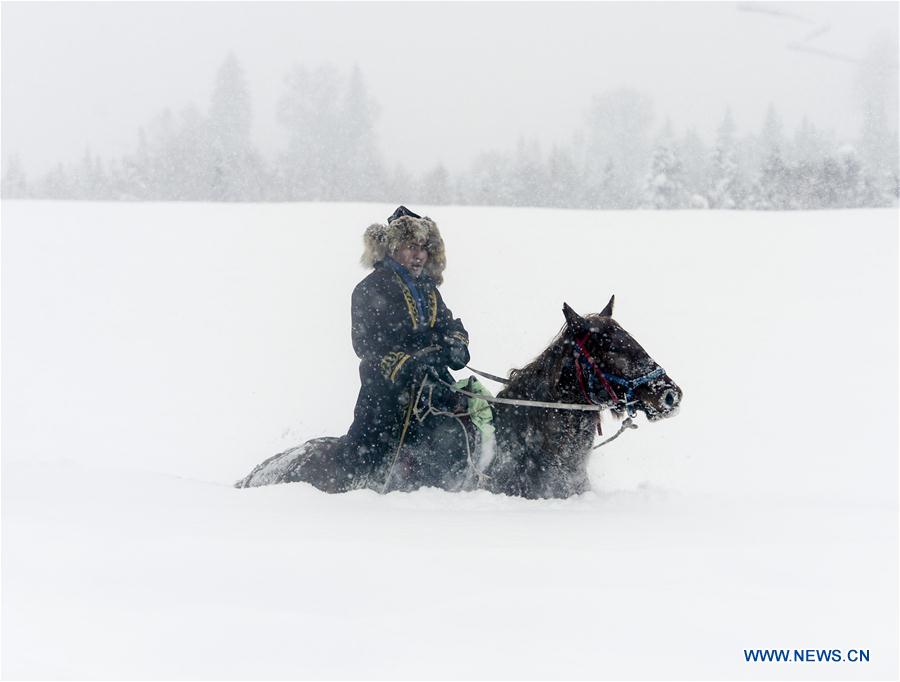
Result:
[[661, 399]]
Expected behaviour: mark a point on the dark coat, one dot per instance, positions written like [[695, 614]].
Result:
[[386, 334]]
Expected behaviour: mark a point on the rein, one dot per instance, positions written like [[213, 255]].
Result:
[[627, 424], [488, 375], [592, 405], [525, 403], [626, 402]]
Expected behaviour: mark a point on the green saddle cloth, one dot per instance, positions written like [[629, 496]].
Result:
[[479, 410]]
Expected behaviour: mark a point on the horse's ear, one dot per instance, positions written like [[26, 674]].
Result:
[[574, 321], [607, 311]]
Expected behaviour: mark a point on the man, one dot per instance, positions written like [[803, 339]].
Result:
[[401, 331]]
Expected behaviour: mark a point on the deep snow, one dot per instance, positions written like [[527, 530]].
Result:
[[153, 353]]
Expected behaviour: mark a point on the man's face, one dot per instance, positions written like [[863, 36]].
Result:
[[412, 256]]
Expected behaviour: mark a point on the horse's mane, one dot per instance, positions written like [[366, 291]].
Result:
[[539, 379]]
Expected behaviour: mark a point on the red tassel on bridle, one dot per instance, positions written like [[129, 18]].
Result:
[[596, 369]]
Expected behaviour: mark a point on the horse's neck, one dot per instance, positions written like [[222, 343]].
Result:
[[540, 435], [548, 388]]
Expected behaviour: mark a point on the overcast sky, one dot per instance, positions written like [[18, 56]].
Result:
[[452, 79]]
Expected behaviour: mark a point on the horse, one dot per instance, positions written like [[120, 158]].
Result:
[[537, 450]]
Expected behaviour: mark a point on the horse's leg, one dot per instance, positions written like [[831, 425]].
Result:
[[402, 471], [444, 458], [333, 467], [482, 455], [323, 462]]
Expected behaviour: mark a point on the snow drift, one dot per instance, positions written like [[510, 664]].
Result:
[[153, 353]]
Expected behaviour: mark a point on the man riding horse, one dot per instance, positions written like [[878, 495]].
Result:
[[409, 430], [401, 331]]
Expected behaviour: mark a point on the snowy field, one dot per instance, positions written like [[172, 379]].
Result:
[[154, 353]]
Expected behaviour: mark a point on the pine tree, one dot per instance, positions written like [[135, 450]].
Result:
[[803, 185], [434, 188], [399, 189], [489, 180], [829, 180], [527, 181], [361, 174], [14, 184], [599, 192], [137, 172], [235, 166], [664, 183], [618, 125], [771, 191], [663, 187], [56, 184], [190, 152], [771, 138], [876, 87], [116, 183], [563, 180], [808, 144], [695, 158], [726, 187], [165, 175], [310, 111], [90, 181], [859, 188]]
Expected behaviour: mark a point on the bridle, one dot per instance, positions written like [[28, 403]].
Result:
[[588, 373], [587, 367]]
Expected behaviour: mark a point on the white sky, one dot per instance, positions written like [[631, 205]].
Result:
[[452, 79]]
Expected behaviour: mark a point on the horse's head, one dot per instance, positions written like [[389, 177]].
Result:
[[611, 367]]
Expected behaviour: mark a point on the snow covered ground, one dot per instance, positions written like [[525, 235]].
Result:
[[154, 353]]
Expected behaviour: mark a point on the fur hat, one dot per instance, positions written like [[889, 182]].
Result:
[[384, 240]]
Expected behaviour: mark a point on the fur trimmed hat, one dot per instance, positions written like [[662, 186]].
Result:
[[404, 227]]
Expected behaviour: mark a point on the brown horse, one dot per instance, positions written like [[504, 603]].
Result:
[[536, 451]]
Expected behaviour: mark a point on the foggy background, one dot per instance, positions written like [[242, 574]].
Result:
[[589, 105], [157, 351]]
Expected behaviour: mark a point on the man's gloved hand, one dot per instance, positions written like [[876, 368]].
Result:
[[430, 355], [452, 354], [421, 362], [455, 355]]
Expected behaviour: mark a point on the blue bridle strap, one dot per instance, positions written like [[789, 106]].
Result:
[[631, 384], [582, 356], [628, 384]]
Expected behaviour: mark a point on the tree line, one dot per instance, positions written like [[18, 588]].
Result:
[[614, 161]]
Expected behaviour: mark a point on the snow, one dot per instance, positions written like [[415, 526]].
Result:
[[154, 353]]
